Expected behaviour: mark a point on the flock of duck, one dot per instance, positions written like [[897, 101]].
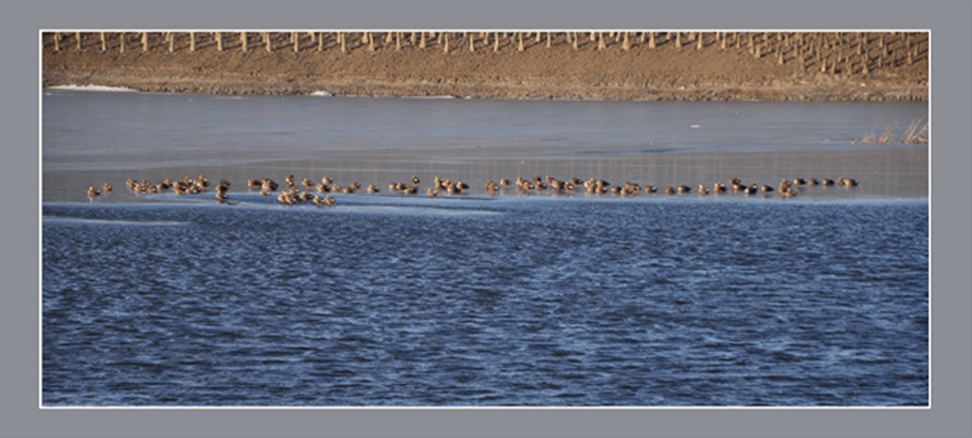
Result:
[[308, 191]]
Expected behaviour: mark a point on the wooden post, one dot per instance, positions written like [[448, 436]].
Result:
[[243, 40], [320, 41], [219, 41], [121, 39], [445, 45], [371, 42], [192, 42], [486, 39], [78, 37], [699, 45], [651, 40], [574, 40], [472, 43], [519, 37], [779, 55], [643, 37], [601, 45], [364, 38], [266, 42], [57, 36], [171, 42], [145, 41], [678, 40], [388, 37], [344, 47], [422, 43], [548, 40], [398, 41], [104, 44], [496, 42], [538, 37], [625, 45]]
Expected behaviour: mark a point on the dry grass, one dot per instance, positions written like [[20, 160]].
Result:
[[911, 135]]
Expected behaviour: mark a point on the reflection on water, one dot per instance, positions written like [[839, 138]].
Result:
[[89, 138]]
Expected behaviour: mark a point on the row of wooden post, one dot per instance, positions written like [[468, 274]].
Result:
[[758, 50]]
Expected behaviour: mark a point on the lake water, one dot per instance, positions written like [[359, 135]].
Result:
[[515, 299]]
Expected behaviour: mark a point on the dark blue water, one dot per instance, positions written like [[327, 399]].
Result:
[[480, 301]]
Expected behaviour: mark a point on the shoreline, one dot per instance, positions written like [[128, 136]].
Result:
[[821, 67]]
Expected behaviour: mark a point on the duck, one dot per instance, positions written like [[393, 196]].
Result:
[[751, 190], [813, 182], [702, 190], [669, 190], [828, 182], [651, 189], [767, 189], [326, 181], [221, 195], [684, 189], [719, 187], [329, 200], [106, 187], [504, 182], [92, 192], [373, 188], [415, 179], [431, 193], [322, 188], [319, 201], [799, 181]]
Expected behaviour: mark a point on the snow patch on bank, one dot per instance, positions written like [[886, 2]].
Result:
[[92, 88]]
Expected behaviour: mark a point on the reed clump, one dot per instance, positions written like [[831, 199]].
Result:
[[915, 133]]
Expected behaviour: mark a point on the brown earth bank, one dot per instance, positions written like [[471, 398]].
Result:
[[669, 66]]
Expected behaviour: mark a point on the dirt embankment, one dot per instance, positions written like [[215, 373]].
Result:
[[768, 66]]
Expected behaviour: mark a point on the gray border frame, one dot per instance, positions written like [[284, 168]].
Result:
[[951, 245]]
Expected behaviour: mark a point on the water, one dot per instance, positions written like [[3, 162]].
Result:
[[472, 300]]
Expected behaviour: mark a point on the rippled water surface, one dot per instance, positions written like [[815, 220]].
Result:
[[478, 300]]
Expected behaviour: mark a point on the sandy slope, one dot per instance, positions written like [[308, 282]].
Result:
[[665, 72]]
